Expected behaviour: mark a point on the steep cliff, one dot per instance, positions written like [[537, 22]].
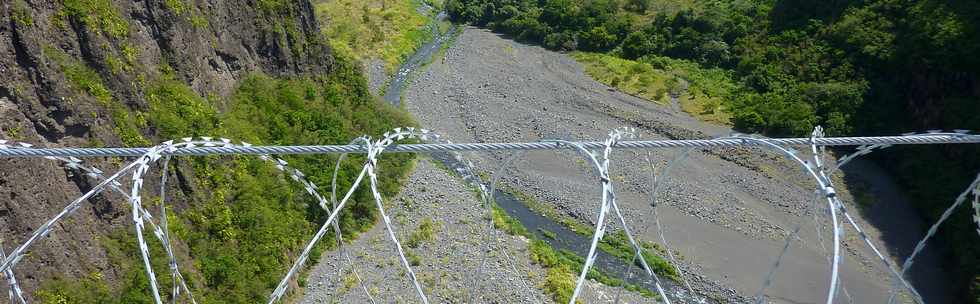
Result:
[[87, 73]]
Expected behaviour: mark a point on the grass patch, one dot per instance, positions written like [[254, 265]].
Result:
[[21, 13], [561, 265], [709, 90], [548, 233], [701, 92], [562, 272], [423, 233], [615, 244], [413, 259], [632, 77], [618, 245], [98, 15], [390, 30], [508, 224]]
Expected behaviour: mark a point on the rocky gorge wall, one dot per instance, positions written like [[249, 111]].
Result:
[[77, 73]]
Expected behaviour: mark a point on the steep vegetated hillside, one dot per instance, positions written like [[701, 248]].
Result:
[[132, 73], [386, 30], [854, 67]]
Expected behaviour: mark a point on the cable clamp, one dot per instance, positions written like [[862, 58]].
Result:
[[830, 192]]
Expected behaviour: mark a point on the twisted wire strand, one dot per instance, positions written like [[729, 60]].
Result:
[[976, 209], [301, 260], [336, 224], [959, 137], [312, 189], [600, 221], [767, 281], [821, 169], [161, 234], [139, 218], [760, 295], [608, 200], [900, 277], [829, 193], [622, 220], [660, 230], [375, 150], [511, 261], [817, 226], [13, 290], [973, 188], [17, 254], [207, 147]]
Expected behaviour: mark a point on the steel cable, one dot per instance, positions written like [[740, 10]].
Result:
[[948, 138], [206, 146]]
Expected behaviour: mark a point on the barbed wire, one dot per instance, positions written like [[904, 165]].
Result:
[[957, 137], [209, 146], [13, 289]]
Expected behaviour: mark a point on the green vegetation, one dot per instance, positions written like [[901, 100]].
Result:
[[98, 15], [782, 67], [389, 30], [424, 233], [615, 244], [636, 78], [90, 289], [179, 7], [548, 233], [21, 13], [563, 268], [185, 8], [413, 259], [560, 279], [618, 245], [14, 132], [700, 91], [562, 265], [508, 224], [86, 79], [245, 231]]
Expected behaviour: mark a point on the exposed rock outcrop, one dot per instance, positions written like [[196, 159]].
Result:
[[74, 73]]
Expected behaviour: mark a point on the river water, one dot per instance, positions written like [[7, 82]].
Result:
[[563, 238]]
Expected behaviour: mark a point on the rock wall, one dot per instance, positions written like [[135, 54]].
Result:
[[74, 73]]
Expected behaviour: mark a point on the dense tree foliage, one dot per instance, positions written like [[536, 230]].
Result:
[[246, 221], [855, 67]]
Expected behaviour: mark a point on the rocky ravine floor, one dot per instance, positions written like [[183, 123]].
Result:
[[725, 211], [448, 262]]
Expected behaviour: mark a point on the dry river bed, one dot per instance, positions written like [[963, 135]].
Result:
[[726, 212]]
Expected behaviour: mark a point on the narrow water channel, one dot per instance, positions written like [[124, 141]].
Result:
[[564, 238]]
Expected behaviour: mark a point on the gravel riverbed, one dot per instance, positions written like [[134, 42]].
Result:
[[448, 263], [726, 212]]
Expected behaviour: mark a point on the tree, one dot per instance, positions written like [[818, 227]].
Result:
[[597, 39], [638, 6], [564, 41], [638, 44]]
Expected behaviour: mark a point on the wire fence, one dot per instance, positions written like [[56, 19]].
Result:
[[595, 153], [222, 146]]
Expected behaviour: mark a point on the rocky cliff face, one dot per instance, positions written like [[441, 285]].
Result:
[[75, 73]]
